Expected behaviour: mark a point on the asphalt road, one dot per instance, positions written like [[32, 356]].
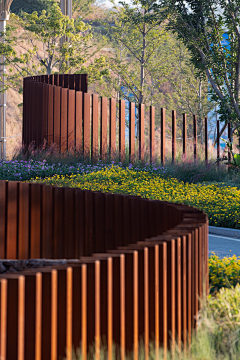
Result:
[[223, 245]]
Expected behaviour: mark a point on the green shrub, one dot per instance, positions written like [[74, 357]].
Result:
[[223, 272]]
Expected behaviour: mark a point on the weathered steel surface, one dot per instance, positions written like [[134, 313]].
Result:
[[152, 134], [163, 124], [57, 109], [132, 282], [48, 111]]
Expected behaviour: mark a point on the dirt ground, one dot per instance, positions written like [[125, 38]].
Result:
[[13, 122]]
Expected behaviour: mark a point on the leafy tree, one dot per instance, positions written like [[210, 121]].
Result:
[[46, 55], [188, 92], [210, 31], [151, 66], [29, 6], [135, 37]]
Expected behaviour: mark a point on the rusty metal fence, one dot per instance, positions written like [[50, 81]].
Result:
[[58, 109], [52, 109], [142, 268]]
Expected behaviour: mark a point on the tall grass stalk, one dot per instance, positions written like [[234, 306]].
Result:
[[185, 168]]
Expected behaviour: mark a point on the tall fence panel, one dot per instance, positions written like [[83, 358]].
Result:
[[58, 110]]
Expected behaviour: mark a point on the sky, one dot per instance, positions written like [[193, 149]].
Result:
[[108, 4]]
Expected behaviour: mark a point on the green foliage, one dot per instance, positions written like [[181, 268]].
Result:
[[29, 6], [202, 26], [223, 272], [151, 66], [235, 163], [47, 52], [49, 28], [134, 44]]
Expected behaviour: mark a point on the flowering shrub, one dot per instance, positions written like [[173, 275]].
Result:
[[30, 169], [221, 203], [223, 272]]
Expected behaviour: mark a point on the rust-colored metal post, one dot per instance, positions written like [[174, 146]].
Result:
[[84, 310], [3, 217], [131, 132], [97, 311], [173, 135], [69, 243], [23, 221], [195, 137], [171, 293], [86, 125], [163, 123], [121, 130], [54, 291], [58, 232], [163, 298], [40, 115], [112, 130], [94, 142], [84, 82], [71, 81], [71, 120], [103, 128], [64, 120], [35, 219], [56, 115], [178, 293], [141, 132], [66, 81], [184, 291], [152, 134], [47, 222], [3, 318], [50, 114], [122, 307], [12, 220], [79, 120], [45, 113]]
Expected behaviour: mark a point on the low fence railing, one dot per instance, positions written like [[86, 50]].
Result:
[[142, 269], [58, 109]]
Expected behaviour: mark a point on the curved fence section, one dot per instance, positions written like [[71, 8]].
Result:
[[140, 270], [52, 110]]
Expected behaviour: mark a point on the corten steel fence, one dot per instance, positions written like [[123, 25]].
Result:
[[49, 110], [142, 268], [58, 109]]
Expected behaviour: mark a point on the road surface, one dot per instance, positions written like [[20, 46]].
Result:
[[223, 245]]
